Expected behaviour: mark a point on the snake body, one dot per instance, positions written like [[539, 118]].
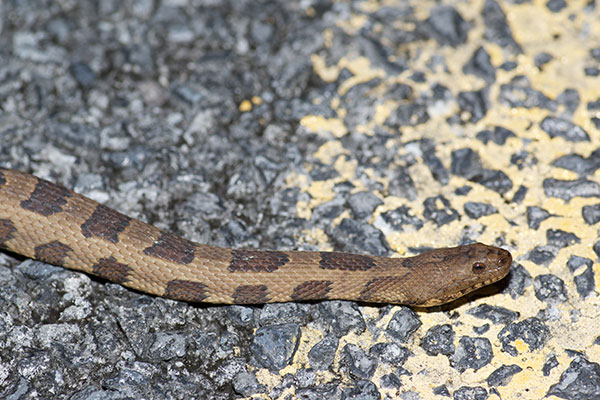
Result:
[[44, 221]]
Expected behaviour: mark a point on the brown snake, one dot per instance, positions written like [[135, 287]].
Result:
[[44, 221]]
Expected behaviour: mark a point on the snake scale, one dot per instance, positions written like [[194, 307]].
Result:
[[44, 221]]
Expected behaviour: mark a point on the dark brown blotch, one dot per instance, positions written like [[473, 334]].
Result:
[[346, 261], [183, 290], [47, 198], [312, 290], [2, 178], [52, 253], [105, 223], [172, 248], [110, 269], [378, 286], [7, 228], [250, 294], [256, 260]]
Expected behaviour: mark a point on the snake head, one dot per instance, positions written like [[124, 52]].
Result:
[[453, 272]]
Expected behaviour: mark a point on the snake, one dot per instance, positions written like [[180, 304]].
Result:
[[47, 222]]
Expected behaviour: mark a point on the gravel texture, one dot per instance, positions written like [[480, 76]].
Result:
[[385, 128]]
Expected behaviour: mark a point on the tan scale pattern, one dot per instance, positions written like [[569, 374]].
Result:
[[42, 220]]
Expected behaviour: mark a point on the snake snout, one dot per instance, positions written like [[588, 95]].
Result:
[[505, 259], [503, 262]]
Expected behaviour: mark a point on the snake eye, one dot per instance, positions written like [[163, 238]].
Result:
[[478, 267]]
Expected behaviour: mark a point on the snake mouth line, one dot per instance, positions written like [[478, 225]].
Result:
[[460, 293]]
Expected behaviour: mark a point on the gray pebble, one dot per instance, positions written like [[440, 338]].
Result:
[[360, 237], [518, 93], [433, 162], [480, 65], [532, 331], [497, 28], [466, 163], [503, 375], [439, 210], [535, 216], [476, 103], [439, 339], [273, 347], [93, 393], [401, 184], [390, 381], [403, 325], [591, 214], [550, 363], [550, 288], [498, 135], [390, 353], [342, 316], [470, 393], [167, 345], [411, 114], [363, 204], [322, 354], [401, 219], [246, 384], [359, 364], [560, 238], [477, 210], [83, 74], [496, 314], [447, 26], [542, 255], [320, 392], [584, 281], [363, 390], [441, 391], [581, 165], [554, 127], [578, 382], [271, 314], [474, 353]]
